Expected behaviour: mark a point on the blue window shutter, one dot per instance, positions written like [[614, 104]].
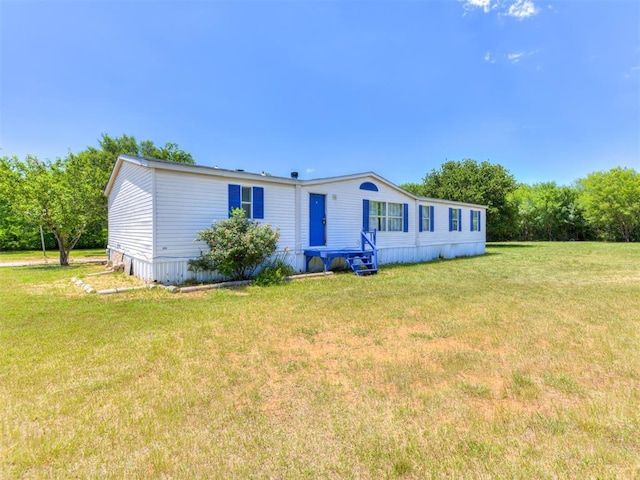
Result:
[[432, 218], [479, 219], [258, 202], [471, 218], [459, 219], [405, 217], [451, 219], [420, 218], [234, 197], [365, 215]]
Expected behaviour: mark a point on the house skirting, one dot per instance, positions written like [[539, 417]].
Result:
[[176, 271]]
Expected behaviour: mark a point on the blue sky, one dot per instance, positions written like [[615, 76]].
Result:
[[550, 90]]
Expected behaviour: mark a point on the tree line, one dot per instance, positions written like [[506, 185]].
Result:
[[65, 197], [604, 205]]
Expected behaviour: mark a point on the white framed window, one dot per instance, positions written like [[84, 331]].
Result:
[[378, 216], [246, 200], [427, 218], [455, 219], [386, 217], [394, 217], [475, 220]]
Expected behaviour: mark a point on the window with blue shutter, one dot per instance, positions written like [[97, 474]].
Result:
[[405, 217], [258, 202], [385, 217], [426, 216], [455, 219], [393, 216], [475, 220], [250, 199], [420, 217], [432, 217], [365, 215], [234, 197], [245, 200]]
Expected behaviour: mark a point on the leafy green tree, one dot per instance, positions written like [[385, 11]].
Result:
[[17, 233], [482, 183], [63, 196], [611, 201], [523, 198], [238, 246], [103, 159], [547, 211], [414, 188], [126, 145]]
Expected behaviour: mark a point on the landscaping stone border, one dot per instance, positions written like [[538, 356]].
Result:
[[173, 289]]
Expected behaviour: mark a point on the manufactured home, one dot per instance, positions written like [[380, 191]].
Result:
[[156, 207]]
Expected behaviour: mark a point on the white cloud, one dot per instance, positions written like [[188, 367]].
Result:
[[519, 9], [515, 57], [633, 71], [522, 9], [485, 5], [310, 170]]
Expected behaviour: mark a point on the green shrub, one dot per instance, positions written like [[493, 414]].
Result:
[[238, 246], [274, 271]]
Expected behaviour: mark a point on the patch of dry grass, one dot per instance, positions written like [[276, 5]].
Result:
[[519, 364], [106, 281]]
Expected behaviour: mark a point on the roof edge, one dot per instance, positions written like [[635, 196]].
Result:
[[223, 172]]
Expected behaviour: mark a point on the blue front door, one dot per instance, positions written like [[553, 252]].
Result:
[[317, 220]]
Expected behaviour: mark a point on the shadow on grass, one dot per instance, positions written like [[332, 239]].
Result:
[[435, 261], [508, 245], [51, 266]]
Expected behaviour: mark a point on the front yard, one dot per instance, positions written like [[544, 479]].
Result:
[[522, 363]]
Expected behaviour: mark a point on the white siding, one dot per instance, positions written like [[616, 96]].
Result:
[[441, 233], [279, 211], [344, 213], [344, 217], [344, 201], [187, 203], [155, 212], [130, 220]]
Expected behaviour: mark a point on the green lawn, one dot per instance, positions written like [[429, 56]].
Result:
[[523, 363]]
